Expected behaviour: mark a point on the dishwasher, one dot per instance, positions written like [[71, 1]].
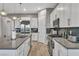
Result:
[[50, 45]]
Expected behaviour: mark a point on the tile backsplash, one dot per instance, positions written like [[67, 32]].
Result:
[[74, 31]]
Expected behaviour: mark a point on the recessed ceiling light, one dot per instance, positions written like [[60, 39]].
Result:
[[14, 17], [38, 8], [61, 8], [24, 9]]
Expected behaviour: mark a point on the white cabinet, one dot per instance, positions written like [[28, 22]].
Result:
[[52, 17], [74, 15], [59, 50], [34, 36], [68, 13], [73, 52], [24, 48], [64, 13], [60, 14], [27, 47], [62, 51], [33, 22], [56, 49], [7, 52], [20, 50]]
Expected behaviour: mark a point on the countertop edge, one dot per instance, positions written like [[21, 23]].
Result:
[[65, 46], [16, 47]]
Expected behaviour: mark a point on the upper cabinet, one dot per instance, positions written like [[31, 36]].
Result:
[[63, 13], [52, 18], [68, 13], [33, 22], [74, 19], [60, 15]]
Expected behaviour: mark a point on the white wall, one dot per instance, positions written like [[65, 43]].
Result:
[[7, 26]]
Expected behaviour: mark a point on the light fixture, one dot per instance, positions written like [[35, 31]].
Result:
[[24, 9], [14, 18], [61, 8], [3, 13], [38, 8]]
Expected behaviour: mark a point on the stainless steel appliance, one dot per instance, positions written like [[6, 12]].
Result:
[[50, 45], [56, 25], [73, 38]]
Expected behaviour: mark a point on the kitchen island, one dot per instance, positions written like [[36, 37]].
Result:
[[63, 47], [18, 47]]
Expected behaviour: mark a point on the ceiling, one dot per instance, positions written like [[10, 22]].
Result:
[[25, 7]]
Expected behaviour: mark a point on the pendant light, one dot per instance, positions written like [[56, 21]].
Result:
[[14, 17], [3, 13], [20, 9]]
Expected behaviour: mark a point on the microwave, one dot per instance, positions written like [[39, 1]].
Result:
[[56, 23]]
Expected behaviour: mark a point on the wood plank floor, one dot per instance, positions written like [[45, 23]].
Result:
[[39, 49]]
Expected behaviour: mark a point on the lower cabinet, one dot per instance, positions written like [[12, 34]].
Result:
[[24, 48], [34, 36], [7, 52], [73, 52], [60, 50], [55, 50]]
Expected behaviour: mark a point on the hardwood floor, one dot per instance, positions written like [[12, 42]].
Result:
[[39, 49]]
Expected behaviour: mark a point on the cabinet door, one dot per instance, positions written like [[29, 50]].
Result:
[[52, 18], [7, 52], [27, 46], [34, 36], [60, 14], [75, 15], [59, 50], [63, 13], [62, 51], [67, 14], [73, 52], [20, 50], [33, 23], [55, 50]]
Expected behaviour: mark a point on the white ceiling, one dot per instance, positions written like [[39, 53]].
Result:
[[30, 7]]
